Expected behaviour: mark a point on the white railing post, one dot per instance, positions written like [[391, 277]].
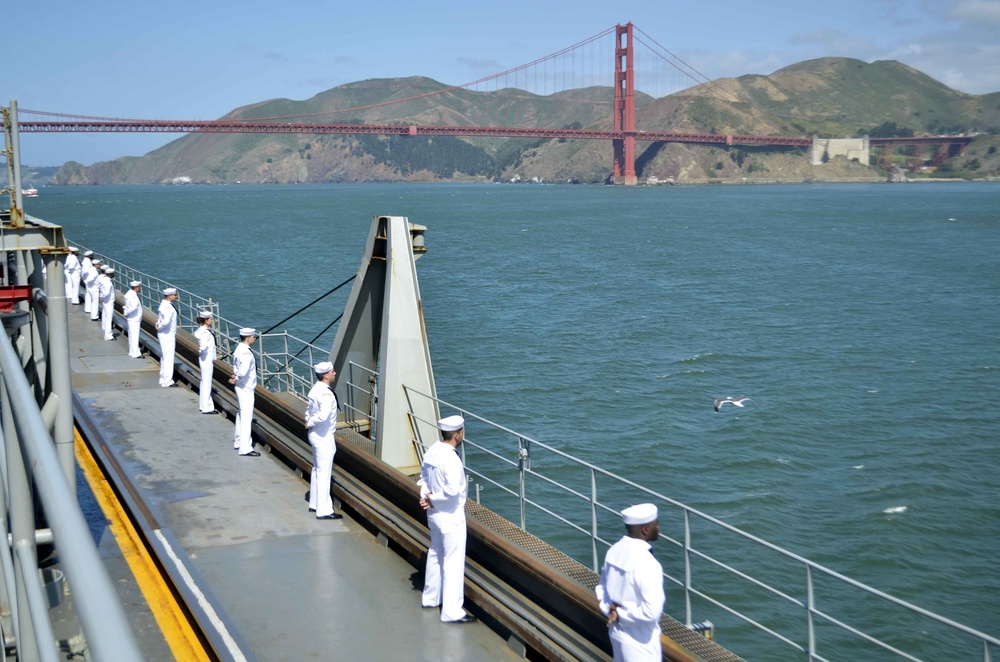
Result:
[[593, 518], [810, 608], [687, 568], [522, 466]]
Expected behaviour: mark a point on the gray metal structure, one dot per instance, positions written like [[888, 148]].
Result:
[[37, 463], [382, 342]]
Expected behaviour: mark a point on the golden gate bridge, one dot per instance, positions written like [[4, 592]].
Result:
[[537, 81]]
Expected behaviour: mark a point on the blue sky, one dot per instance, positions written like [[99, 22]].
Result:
[[199, 60]]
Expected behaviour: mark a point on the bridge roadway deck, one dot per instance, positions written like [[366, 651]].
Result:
[[296, 588]]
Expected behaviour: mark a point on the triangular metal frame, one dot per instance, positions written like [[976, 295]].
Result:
[[381, 345]]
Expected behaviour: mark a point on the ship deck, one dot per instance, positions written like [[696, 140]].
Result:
[[291, 586]]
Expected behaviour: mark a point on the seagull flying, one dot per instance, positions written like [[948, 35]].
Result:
[[731, 400]]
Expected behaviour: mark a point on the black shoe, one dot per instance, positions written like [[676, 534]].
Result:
[[332, 516], [307, 495], [312, 510], [468, 618], [209, 413], [429, 606], [174, 385], [250, 454]]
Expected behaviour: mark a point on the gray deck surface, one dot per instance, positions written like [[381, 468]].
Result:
[[295, 587]]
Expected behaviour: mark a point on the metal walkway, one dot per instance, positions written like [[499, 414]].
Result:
[[294, 588]]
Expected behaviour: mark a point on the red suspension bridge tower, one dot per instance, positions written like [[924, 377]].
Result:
[[624, 110]]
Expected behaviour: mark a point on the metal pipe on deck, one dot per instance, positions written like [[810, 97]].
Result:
[[101, 614], [58, 360], [21, 514]]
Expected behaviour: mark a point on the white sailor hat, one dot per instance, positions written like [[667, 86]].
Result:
[[134, 283], [96, 261], [74, 249], [323, 367], [246, 332], [204, 314], [88, 253], [105, 267], [109, 270], [167, 291], [451, 423], [644, 513]]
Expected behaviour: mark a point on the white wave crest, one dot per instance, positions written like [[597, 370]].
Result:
[[895, 510]]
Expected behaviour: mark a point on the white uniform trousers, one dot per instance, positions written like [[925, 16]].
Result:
[[92, 303], [444, 576], [627, 649], [107, 312], [205, 403], [133, 337], [73, 288], [324, 448], [244, 417], [167, 343]]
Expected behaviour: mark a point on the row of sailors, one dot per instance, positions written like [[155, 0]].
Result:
[[99, 301], [99, 298]]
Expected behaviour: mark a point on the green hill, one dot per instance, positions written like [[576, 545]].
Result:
[[829, 97]]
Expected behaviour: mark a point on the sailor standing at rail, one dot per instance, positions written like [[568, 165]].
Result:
[[132, 311], [245, 380], [72, 271], [91, 283], [630, 591], [166, 334], [206, 361], [321, 424], [86, 264], [106, 295], [443, 491]]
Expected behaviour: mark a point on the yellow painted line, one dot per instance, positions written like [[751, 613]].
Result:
[[180, 636]]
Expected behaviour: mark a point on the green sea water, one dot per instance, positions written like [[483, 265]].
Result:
[[862, 320]]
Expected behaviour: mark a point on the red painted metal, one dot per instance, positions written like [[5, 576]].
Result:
[[623, 171], [13, 294]]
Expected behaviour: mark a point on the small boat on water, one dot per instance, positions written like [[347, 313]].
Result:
[[29, 192]]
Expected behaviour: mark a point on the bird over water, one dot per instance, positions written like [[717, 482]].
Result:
[[731, 400]]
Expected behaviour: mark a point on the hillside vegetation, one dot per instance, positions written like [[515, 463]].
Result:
[[828, 97]]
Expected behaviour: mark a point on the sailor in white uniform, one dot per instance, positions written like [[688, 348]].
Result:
[[245, 380], [443, 491], [630, 591], [106, 295], [86, 264], [321, 424], [166, 334], [91, 283], [132, 311], [72, 272], [206, 361]]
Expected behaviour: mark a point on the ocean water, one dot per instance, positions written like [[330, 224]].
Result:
[[862, 320]]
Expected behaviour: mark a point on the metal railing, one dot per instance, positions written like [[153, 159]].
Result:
[[360, 406], [29, 458], [540, 487]]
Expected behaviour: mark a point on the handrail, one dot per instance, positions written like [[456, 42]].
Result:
[[101, 614], [524, 460]]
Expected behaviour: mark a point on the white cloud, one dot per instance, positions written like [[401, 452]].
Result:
[[977, 11]]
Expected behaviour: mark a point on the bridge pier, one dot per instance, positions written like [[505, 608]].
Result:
[[623, 172]]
